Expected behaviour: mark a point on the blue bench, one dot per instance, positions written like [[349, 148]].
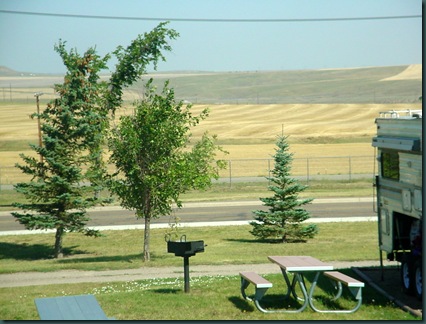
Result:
[[82, 307]]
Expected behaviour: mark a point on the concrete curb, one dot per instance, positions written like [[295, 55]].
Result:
[[193, 224]]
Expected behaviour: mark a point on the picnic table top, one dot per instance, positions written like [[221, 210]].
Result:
[[300, 263]]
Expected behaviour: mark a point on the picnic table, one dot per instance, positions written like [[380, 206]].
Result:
[[298, 266]]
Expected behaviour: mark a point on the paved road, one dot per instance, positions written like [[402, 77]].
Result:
[[217, 212], [233, 211]]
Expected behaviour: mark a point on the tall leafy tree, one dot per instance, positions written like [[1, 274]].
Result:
[[134, 59], [70, 172], [154, 159], [284, 219]]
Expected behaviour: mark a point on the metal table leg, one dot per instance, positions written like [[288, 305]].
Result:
[[291, 290]]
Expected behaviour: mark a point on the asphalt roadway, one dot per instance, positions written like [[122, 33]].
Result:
[[211, 214]]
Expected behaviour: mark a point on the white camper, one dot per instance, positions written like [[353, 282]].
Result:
[[400, 193]]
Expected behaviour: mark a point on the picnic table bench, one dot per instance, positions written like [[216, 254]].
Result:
[[261, 286], [354, 286], [81, 307]]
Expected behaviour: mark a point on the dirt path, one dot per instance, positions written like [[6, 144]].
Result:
[[75, 276]]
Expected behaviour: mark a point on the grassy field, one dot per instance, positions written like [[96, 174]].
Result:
[[359, 85], [245, 131], [254, 190], [337, 120], [211, 297], [241, 124], [241, 191], [388, 84], [226, 245]]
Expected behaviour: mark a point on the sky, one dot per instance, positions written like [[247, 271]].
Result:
[[218, 35]]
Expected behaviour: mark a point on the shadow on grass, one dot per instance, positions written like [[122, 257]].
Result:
[[242, 304], [129, 258], [248, 241], [110, 258], [270, 302], [167, 291], [24, 251], [264, 241], [32, 252]]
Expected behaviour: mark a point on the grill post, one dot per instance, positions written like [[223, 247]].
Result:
[[186, 273]]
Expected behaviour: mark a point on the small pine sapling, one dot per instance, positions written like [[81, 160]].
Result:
[[284, 219]]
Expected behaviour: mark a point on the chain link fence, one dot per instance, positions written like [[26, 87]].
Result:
[[246, 170], [310, 168]]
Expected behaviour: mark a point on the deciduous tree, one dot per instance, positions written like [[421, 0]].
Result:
[[154, 159]]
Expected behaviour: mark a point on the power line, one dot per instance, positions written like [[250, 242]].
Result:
[[267, 20]]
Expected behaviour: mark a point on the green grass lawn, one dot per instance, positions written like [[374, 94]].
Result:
[[211, 297], [242, 191], [226, 245]]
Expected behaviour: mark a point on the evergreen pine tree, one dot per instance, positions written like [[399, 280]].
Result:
[[62, 185], [67, 178], [283, 220]]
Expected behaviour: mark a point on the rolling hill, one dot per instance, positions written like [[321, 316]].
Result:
[[382, 85], [358, 85]]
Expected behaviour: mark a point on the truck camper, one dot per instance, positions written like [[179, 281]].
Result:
[[399, 193]]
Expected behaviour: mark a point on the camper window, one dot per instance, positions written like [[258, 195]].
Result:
[[390, 165]]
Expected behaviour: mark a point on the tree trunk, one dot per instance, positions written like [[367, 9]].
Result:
[[146, 238], [58, 242]]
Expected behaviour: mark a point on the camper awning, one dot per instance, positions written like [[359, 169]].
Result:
[[397, 143]]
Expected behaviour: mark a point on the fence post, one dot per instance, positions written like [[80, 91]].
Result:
[[350, 169], [230, 173], [269, 170], [307, 170]]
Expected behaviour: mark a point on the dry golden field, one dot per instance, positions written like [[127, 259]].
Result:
[[244, 123], [412, 72], [245, 131], [249, 131]]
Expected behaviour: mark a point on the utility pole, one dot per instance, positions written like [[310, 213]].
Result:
[[40, 143]]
